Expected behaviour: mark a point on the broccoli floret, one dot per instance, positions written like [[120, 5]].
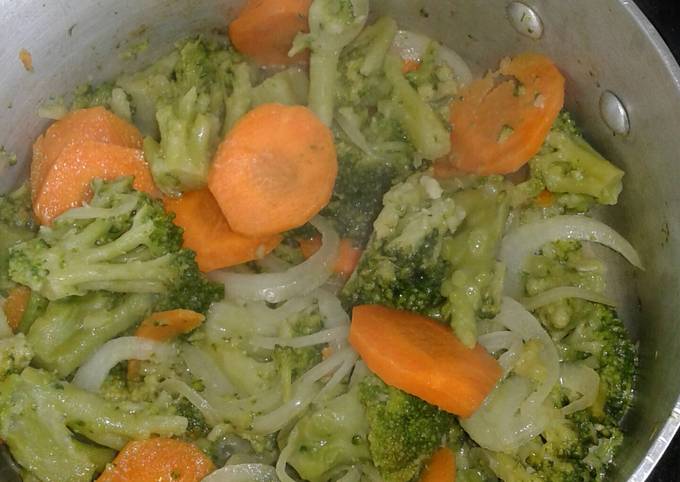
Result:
[[404, 431], [124, 242], [40, 417], [70, 330], [16, 225], [197, 427], [330, 438], [289, 87], [332, 25], [15, 355], [568, 164]]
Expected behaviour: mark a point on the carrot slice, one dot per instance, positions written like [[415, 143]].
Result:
[[348, 256], [265, 30], [67, 182], [158, 459], [423, 358], [274, 171], [501, 120], [441, 467], [94, 124], [409, 65], [545, 199], [207, 232], [15, 305]]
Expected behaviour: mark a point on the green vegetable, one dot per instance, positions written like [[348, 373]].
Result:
[[568, 164], [16, 225], [124, 242], [15, 355], [332, 25], [288, 87], [40, 417]]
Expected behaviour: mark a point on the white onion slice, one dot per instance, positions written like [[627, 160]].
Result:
[[352, 475], [582, 379], [503, 340], [297, 281], [331, 309], [273, 264], [412, 46], [244, 473], [318, 338], [561, 292], [177, 386], [94, 371], [285, 454], [529, 238], [202, 366]]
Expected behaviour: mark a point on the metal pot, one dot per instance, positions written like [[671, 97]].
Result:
[[602, 46]]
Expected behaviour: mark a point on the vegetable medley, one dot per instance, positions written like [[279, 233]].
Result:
[[295, 254]]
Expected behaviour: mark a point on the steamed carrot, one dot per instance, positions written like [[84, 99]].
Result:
[[158, 460], [15, 305], [274, 171], [545, 199], [164, 326], [93, 124], [423, 358], [207, 232], [409, 65], [265, 30], [501, 120], [348, 255], [67, 181], [441, 467]]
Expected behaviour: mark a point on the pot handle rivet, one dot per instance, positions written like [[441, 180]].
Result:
[[525, 20], [614, 113]]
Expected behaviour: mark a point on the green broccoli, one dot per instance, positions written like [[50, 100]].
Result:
[[289, 87], [404, 431], [123, 241], [332, 25], [568, 164], [330, 438], [15, 355], [16, 225], [40, 417]]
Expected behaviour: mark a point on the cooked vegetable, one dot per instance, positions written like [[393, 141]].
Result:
[[123, 241], [265, 30], [158, 459], [441, 467], [16, 225], [15, 355], [207, 232], [348, 254], [15, 305], [568, 164], [274, 171], [501, 120], [423, 358], [40, 415]]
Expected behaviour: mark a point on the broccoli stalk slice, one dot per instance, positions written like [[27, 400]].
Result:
[[568, 164], [239, 102]]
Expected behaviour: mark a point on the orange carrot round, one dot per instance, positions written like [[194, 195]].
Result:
[[274, 171], [423, 358], [441, 467], [265, 30], [501, 120], [207, 232], [348, 255], [15, 305], [66, 183], [158, 459], [93, 124]]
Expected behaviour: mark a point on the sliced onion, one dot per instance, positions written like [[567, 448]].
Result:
[[412, 46], [94, 371], [211, 415], [297, 281], [562, 292], [331, 309], [5, 329], [274, 264], [202, 366], [282, 462], [507, 341], [529, 238], [582, 379], [244, 473], [352, 475], [318, 338], [344, 118]]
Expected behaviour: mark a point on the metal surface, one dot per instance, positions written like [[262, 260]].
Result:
[[525, 20], [614, 113], [600, 45]]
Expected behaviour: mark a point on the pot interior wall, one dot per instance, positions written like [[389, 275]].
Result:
[[598, 45]]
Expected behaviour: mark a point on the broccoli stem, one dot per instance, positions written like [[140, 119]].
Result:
[[323, 74]]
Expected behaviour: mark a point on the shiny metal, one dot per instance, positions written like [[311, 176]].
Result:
[[595, 43], [525, 20], [614, 113]]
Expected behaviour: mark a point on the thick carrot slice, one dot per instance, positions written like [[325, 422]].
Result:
[[15, 305], [348, 257], [265, 30], [441, 467], [409, 65], [274, 171], [207, 232], [94, 124], [67, 181], [501, 120], [423, 358], [158, 459]]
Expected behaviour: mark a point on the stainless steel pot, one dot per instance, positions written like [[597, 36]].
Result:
[[603, 45]]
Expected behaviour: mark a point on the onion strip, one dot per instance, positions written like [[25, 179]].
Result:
[[243, 473], [209, 412], [562, 292], [318, 338]]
